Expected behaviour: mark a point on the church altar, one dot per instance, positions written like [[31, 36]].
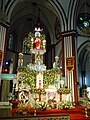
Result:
[[35, 87]]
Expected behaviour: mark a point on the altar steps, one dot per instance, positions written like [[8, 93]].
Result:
[[77, 113]]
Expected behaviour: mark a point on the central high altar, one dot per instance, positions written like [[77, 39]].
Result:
[[35, 86]]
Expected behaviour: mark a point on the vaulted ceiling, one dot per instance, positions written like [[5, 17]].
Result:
[[23, 15]]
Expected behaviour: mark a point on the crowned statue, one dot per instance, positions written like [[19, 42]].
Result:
[[37, 38]]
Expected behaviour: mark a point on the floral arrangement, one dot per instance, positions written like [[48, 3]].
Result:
[[23, 108], [42, 105], [65, 105], [63, 90], [39, 90], [26, 108], [83, 101], [50, 76], [29, 76], [11, 97]]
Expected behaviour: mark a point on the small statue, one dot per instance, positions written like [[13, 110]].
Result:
[[37, 43], [20, 60], [37, 38], [56, 63], [11, 66]]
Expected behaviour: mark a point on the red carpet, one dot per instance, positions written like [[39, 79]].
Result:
[[78, 117], [77, 113]]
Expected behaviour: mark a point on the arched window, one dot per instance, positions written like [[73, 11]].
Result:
[[24, 48], [10, 42]]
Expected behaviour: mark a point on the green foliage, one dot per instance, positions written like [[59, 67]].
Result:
[[29, 76], [65, 105], [42, 105], [63, 90], [39, 91], [49, 76]]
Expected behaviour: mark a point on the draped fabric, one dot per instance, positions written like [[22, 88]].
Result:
[[69, 48], [2, 43], [68, 53], [5, 83]]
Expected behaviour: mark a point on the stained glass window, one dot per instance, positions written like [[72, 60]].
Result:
[[84, 23]]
